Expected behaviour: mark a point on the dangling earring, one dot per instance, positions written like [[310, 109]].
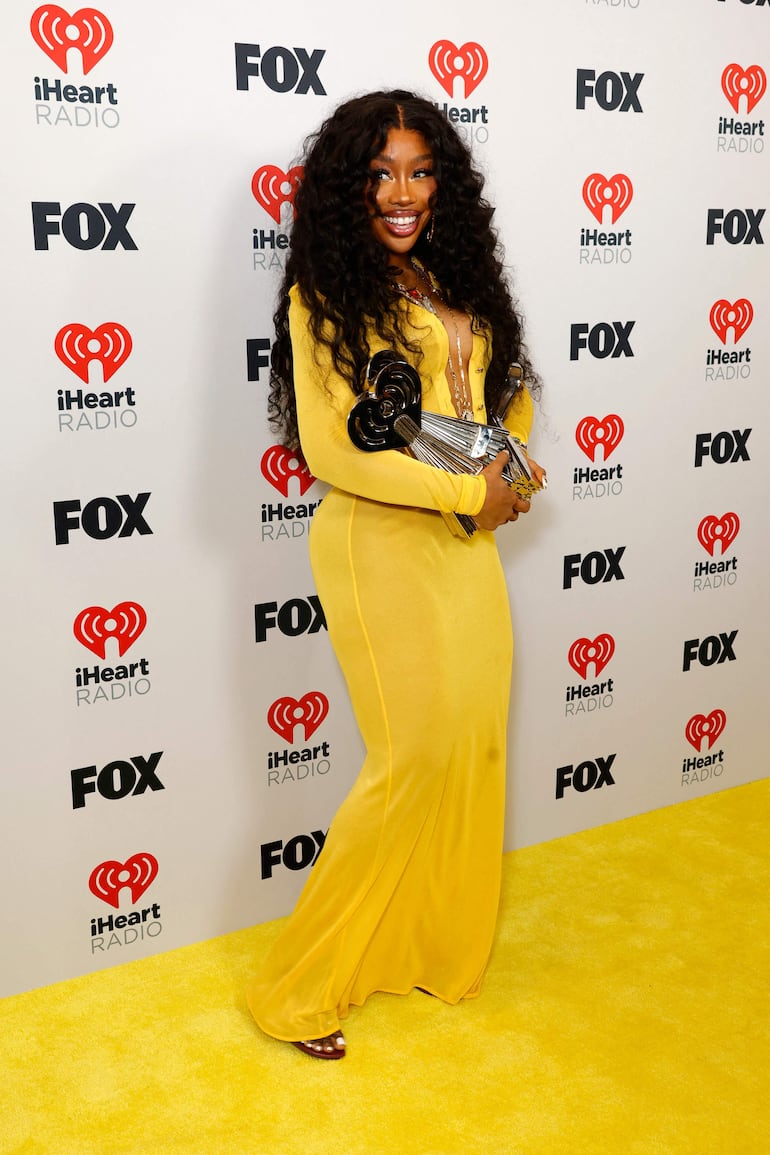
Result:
[[429, 233]]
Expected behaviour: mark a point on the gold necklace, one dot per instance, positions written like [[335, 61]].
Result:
[[461, 394]]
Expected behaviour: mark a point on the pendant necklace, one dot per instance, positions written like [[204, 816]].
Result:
[[461, 394]]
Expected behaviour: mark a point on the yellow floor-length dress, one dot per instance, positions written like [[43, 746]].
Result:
[[405, 892]]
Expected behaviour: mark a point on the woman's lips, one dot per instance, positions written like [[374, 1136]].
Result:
[[402, 225]]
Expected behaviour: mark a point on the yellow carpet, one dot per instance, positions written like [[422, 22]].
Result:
[[625, 1011]]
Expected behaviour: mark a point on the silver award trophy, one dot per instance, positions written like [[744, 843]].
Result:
[[389, 415]]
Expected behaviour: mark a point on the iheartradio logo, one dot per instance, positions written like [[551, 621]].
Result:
[[77, 346], [718, 529], [273, 188], [308, 711], [600, 192], [706, 727], [606, 432], [56, 32], [750, 83], [94, 625], [724, 316], [447, 61], [280, 464], [584, 651], [137, 873]]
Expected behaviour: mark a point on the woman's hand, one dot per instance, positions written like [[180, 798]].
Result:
[[501, 503]]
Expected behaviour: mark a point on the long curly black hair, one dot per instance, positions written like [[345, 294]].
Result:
[[341, 270]]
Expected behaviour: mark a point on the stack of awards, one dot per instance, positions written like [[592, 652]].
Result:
[[389, 415]]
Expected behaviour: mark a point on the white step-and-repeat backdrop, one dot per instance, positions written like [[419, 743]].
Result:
[[177, 735]]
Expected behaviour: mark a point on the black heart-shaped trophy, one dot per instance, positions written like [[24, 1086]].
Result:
[[389, 415]]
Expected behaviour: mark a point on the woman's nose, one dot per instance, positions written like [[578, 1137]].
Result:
[[402, 191]]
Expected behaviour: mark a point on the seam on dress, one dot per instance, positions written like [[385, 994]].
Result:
[[373, 664], [376, 676]]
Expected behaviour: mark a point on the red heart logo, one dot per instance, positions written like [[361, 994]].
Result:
[[446, 61], [750, 82], [309, 712], [94, 625], [583, 651], [279, 464], [724, 316], [77, 346], [718, 529], [615, 191], [55, 31], [703, 726], [137, 873], [607, 432], [272, 188]]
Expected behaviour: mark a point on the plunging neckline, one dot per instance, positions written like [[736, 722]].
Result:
[[458, 380]]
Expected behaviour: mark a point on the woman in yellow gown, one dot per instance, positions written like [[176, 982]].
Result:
[[406, 889]]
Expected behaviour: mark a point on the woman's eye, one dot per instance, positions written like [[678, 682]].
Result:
[[423, 172], [380, 174]]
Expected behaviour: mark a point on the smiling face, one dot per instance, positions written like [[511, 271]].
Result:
[[402, 184]]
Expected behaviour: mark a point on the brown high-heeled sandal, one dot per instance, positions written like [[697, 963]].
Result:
[[329, 1047]]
